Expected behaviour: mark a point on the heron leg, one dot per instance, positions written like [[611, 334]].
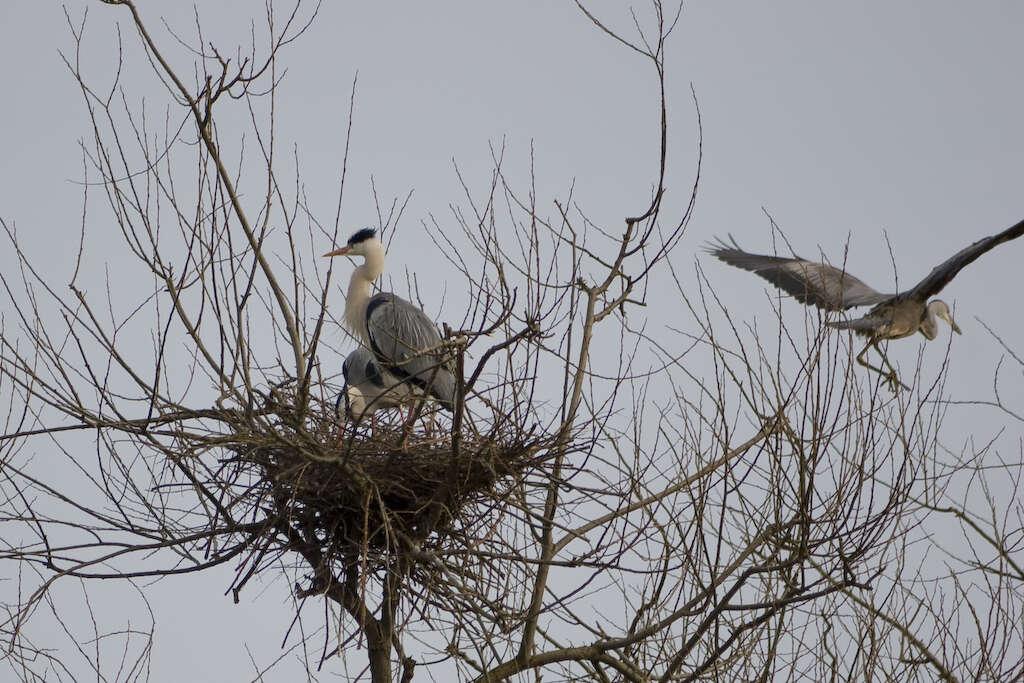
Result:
[[894, 380], [352, 423], [890, 374], [414, 413], [432, 423]]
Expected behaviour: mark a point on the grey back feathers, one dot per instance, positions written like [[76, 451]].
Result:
[[407, 344]]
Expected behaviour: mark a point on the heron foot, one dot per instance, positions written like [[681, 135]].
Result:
[[894, 382]]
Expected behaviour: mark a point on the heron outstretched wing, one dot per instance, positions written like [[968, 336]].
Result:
[[812, 283], [406, 341], [947, 270]]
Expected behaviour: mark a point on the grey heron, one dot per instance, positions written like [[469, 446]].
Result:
[[404, 341], [892, 316], [369, 387]]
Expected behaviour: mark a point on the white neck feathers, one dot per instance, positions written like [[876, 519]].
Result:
[[359, 288]]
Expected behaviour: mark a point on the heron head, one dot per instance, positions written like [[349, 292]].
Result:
[[357, 244], [941, 310]]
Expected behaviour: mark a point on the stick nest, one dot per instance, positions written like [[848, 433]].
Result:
[[353, 490]]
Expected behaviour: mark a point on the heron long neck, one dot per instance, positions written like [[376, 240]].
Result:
[[929, 326], [359, 290]]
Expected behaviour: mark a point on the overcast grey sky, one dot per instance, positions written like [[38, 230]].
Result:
[[845, 121]]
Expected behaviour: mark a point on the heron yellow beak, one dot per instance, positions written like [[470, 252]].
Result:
[[338, 252]]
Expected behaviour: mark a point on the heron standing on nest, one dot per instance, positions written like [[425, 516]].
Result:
[[893, 316], [403, 341]]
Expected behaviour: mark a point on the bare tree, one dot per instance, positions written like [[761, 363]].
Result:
[[608, 501]]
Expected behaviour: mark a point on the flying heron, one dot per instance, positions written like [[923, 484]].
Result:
[[369, 387], [403, 340], [893, 316]]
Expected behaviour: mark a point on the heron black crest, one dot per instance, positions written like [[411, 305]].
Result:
[[362, 236]]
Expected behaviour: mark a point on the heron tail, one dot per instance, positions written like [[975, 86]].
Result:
[[443, 389], [864, 326]]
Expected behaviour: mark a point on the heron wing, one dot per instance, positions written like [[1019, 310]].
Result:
[[373, 374], [407, 343], [947, 270], [812, 283]]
